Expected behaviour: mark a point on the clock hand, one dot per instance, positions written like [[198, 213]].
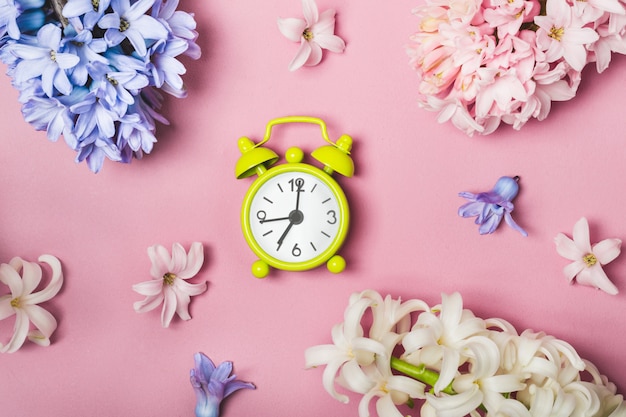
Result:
[[273, 220], [299, 184], [282, 237]]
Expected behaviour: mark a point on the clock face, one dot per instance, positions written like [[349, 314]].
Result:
[[296, 216]]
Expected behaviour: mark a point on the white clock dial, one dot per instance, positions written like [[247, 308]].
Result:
[[295, 217]]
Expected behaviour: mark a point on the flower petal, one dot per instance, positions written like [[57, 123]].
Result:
[[456, 405], [160, 258], [6, 309], [596, 277], [236, 385], [179, 259], [573, 269], [301, 56], [20, 331], [567, 248], [291, 28], [189, 289], [385, 407], [322, 354], [169, 307], [315, 57], [331, 42], [149, 288], [53, 287], [31, 275], [311, 14], [42, 319], [149, 303], [607, 250], [10, 277], [195, 259], [581, 235]]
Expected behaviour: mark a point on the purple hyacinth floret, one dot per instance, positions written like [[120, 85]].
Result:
[[91, 70], [491, 207], [213, 384]]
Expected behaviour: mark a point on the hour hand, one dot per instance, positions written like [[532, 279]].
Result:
[[273, 220]]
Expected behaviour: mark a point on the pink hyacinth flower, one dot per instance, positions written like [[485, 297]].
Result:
[[588, 260], [169, 281], [315, 32]]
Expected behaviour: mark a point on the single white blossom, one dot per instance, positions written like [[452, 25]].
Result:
[[23, 301]]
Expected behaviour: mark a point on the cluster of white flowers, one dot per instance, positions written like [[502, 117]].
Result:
[[456, 364]]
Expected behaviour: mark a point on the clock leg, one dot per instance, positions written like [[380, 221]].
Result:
[[336, 264], [260, 269]]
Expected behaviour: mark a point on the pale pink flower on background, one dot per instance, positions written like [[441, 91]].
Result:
[[315, 32], [508, 15], [23, 301], [168, 284], [587, 259]]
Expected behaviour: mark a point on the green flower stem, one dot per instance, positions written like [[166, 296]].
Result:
[[419, 373]]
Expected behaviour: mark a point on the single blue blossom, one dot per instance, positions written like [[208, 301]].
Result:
[[181, 24], [89, 50], [165, 69], [45, 59], [135, 136], [212, 384], [90, 10], [94, 148], [130, 22], [490, 207], [93, 116], [116, 88], [8, 19], [53, 115]]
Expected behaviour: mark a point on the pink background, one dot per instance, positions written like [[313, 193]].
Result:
[[406, 238]]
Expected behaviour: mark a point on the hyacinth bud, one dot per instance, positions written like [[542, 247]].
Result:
[[31, 21], [30, 4], [507, 187]]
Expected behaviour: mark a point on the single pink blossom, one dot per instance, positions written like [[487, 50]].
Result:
[[169, 285], [561, 35], [315, 32], [588, 260], [23, 302]]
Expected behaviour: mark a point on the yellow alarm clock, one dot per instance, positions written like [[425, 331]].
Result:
[[295, 216]]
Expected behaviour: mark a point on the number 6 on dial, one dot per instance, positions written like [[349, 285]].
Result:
[[295, 216]]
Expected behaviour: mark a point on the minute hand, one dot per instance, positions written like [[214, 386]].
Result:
[[299, 184], [282, 237]]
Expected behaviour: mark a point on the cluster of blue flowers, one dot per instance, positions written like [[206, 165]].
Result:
[[91, 70]]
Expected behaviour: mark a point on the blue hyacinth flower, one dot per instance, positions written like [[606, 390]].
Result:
[[93, 71], [491, 207], [212, 384]]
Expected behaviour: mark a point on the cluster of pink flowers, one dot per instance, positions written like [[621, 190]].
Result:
[[482, 62]]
